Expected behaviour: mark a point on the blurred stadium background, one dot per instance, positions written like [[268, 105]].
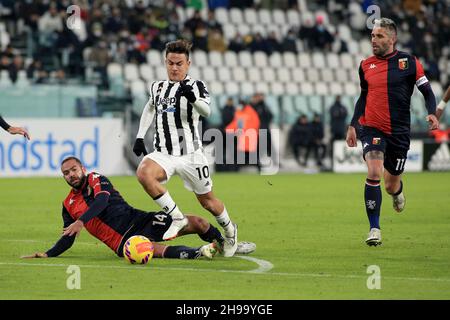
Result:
[[57, 71]]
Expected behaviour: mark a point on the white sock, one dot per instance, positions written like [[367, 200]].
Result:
[[225, 222], [169, 206]]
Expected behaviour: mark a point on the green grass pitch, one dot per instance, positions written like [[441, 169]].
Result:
[[309, 231]]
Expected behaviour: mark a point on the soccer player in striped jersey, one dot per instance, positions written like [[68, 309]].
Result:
[[174, 106], [382, 116], [13, 130]]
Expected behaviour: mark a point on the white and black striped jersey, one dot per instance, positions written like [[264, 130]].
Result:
[[176, 119]]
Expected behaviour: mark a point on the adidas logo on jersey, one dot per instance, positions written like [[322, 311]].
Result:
[[440, 160], [372, 66]]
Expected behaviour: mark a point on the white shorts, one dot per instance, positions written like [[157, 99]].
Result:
[[192, 168]]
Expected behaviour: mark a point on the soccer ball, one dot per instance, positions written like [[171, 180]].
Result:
[[138, 249]]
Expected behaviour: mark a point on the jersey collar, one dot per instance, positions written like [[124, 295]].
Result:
[[188, 78], [388, 56]]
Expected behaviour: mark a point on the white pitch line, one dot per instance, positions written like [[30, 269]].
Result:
[[307, 275]]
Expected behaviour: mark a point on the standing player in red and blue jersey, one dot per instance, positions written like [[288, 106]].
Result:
[[382, 117], [94, 204]]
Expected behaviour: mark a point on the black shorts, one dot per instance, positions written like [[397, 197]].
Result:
[[395, 148], [152, 225]]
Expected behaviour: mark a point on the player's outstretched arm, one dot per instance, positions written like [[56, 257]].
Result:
[[19, 130]]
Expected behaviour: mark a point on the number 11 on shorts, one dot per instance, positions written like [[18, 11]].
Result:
[[400, 164]]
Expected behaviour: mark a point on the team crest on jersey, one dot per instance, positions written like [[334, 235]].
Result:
[[403, 63], [376, 141]]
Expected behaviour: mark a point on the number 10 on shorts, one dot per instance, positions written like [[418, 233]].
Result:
[[203, 172]]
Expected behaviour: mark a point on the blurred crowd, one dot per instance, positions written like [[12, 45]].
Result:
[[37, 37]]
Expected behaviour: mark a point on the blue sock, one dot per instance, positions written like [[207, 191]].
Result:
[[181, 252], [372, 198]]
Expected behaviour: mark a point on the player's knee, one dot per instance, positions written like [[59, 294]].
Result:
[[391, 187], [145, 175]]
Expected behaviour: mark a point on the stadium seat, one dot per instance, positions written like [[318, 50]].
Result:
[[230, 59], [258, 28], [146, 72], [344, 32], [278, 17], [216, 87], [283, 75], [254, 74], [246, 88], [316, 104], [260, 59], [224, 74], [336, 89], [437, 88], [154, 57], [268, 74], [236, 16], [290, 59], [231, 88], [326, 75], [131, 72], [239, 74], [114, 70], [200, 58], [346, 61], [304, 60], [341, 75], [250, 16], [215, 58], [138, 88], [353, 47], [333, 60], [194, 72], [301, 105], [354, 75], [243, 28], [276, 88], [245, 59], [161, 73], [292, 88], [312, 75], [289, 113], [22, 80], [321, 88], [365, 47], [306, 88], [351, 89], [293, 18], [275, 60], [318, 60], [229, 31], [208, 73], [221, 15], [298, 75], [261, 86], [264, 17]]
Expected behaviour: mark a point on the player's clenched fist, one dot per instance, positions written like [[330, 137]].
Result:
[[187, 91], [139, 147]]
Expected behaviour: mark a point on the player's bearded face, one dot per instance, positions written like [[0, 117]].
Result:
[[74, 174], [177, 65], [382, 42]]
